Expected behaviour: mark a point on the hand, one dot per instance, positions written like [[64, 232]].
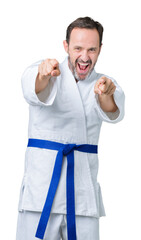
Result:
[[105, 86], [47, 69], [105, 89]]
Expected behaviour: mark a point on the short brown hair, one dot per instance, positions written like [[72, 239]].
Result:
[[87, 23]]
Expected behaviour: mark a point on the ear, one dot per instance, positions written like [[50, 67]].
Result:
[[100, 48], [66, 46]]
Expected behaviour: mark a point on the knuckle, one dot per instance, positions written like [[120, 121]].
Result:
[[47, 66], [48, 60], [53, 61]]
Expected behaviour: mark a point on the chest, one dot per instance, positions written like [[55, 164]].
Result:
[[72, 112]]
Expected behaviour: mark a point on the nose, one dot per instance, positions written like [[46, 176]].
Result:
[[84, 56]]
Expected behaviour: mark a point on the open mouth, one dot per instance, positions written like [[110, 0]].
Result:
[[83, 68]]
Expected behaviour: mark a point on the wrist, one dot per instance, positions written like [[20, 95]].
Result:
[[107, 103], [41, 83]]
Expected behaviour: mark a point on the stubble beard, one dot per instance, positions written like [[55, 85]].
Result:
[[74, 72]]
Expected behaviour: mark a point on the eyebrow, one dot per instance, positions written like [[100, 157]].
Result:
[[91, 48], [77, 47]]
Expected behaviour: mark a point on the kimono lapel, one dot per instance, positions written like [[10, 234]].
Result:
[[70, 92], [76, 105]]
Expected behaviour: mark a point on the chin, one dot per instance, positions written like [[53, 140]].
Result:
[[82, 78]]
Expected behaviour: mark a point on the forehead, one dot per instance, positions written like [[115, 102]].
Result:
[[83, 36]]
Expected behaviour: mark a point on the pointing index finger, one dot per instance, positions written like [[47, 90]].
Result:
[[54, 63]]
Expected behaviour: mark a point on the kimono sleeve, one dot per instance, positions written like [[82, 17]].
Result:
[[119, 98], [45, 97]]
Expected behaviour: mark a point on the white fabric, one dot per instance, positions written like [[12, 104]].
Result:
[[86, 227], [66, 112]]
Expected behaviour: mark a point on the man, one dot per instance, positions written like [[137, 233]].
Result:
[[68, 103]]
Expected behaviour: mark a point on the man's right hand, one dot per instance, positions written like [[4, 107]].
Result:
[[47, 69]]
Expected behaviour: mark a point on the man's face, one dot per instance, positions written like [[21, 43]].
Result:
[[83, 50]]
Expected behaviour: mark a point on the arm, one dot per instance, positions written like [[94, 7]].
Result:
[[47, 69], [105, 89], [109, 104], [40, 87]]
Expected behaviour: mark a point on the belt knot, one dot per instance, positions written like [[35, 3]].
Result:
[[68, 148]]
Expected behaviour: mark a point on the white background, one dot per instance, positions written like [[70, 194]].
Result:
[[32, 30]]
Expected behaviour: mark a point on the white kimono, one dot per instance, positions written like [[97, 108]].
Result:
[[65, 112]]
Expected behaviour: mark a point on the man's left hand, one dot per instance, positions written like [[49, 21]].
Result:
[[105, 89], [105, 86]]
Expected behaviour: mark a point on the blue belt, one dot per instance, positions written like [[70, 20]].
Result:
[[63, 150]]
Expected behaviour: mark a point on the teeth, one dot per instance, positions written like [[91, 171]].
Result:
[[83, 64]]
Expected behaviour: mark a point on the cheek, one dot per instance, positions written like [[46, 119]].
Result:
[[94, 59], [74, 57]]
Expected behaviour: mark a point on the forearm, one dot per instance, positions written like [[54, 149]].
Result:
[[41, 84], [107, 103], [46, 70]]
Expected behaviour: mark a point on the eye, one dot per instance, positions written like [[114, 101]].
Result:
[[77, 48], [92, 50]]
